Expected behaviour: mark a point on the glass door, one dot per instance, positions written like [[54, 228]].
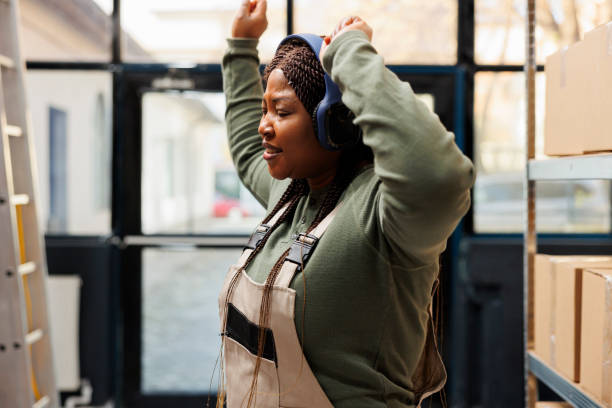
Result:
[[183, 217]]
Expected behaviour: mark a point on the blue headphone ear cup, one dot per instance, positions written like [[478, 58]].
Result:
[[339, 127], [339, 131]]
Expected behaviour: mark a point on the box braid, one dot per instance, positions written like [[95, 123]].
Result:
[[349, 164], [303, 71], [296, 189]]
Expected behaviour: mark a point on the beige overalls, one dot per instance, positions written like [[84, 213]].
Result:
[[285, 378]]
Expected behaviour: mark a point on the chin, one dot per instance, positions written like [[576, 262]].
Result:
[[277, 174]]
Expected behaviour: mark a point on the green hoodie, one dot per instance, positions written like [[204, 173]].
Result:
[[369, 281]]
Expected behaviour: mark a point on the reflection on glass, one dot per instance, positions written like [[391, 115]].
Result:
[[180, 320], [500, 27], [499, 127], [403, 29], [189, 184], [71, 120], [191, 30], [66, 30]]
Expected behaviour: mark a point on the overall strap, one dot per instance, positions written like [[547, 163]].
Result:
[[260, 233], [302, 249]]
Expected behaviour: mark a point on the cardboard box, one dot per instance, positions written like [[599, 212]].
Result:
[[578, 108], [558, 105], [544, 301], [552, 404], [543, 284], [568, 92], [568, 314], [598, 132], [596, 346], [552, 311]]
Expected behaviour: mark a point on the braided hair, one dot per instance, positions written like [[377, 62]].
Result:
[[305, 75], [303, 71]]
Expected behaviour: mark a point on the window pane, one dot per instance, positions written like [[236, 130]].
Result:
[[190, 30], [428, 99], [66, 30], [189, 184], [180, 318], [403, 30], [71, 119], [500, 27], [499, 126]]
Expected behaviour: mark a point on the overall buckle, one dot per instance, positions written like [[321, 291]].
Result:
[[257, 236], [301, 249]]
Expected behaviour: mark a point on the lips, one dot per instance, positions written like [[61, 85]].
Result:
[[271, 151]]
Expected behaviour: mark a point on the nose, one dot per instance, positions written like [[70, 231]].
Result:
[[265, 129]]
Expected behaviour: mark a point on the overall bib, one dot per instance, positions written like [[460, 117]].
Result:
[[285, 378]]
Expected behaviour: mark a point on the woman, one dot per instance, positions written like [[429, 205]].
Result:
[[331, 303]]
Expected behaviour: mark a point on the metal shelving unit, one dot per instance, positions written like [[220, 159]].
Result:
[[559, 384], [529, 236], [596, 166]]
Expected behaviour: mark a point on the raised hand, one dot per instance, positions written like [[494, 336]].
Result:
[[346, 24], [250, 20]]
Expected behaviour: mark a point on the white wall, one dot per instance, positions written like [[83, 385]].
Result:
[[76, 93]]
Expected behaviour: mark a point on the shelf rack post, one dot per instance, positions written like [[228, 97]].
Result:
[[530, 242]]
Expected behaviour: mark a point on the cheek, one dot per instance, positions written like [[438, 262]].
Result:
[[304, 146], [303, 135], [308, 158]]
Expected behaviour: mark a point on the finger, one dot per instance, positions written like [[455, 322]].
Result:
[[338, 27], [252, 6], [244, 7], [261, 7], [344, 23], [347, 21]]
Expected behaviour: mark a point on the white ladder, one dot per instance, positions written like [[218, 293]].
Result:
[[26, 362]]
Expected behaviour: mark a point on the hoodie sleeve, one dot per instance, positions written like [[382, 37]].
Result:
[[425, 178], [243, 95]]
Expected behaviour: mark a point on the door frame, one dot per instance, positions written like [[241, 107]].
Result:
[[446, 84]]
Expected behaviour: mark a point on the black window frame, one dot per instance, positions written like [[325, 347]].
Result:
[[467, 14]]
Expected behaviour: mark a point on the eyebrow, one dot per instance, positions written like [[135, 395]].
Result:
[[279, 98]]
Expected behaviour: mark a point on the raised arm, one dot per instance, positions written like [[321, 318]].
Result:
[[243, 95], [425, 179]]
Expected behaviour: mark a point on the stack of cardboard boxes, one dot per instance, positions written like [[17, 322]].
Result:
[[573, 320], [578, 101], [573, 294]]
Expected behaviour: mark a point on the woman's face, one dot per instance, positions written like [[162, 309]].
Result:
[[291, 148]]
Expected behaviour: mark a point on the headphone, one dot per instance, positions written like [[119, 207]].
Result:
[[331, 119]]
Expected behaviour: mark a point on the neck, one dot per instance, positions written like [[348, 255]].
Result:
[[322, 180]]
